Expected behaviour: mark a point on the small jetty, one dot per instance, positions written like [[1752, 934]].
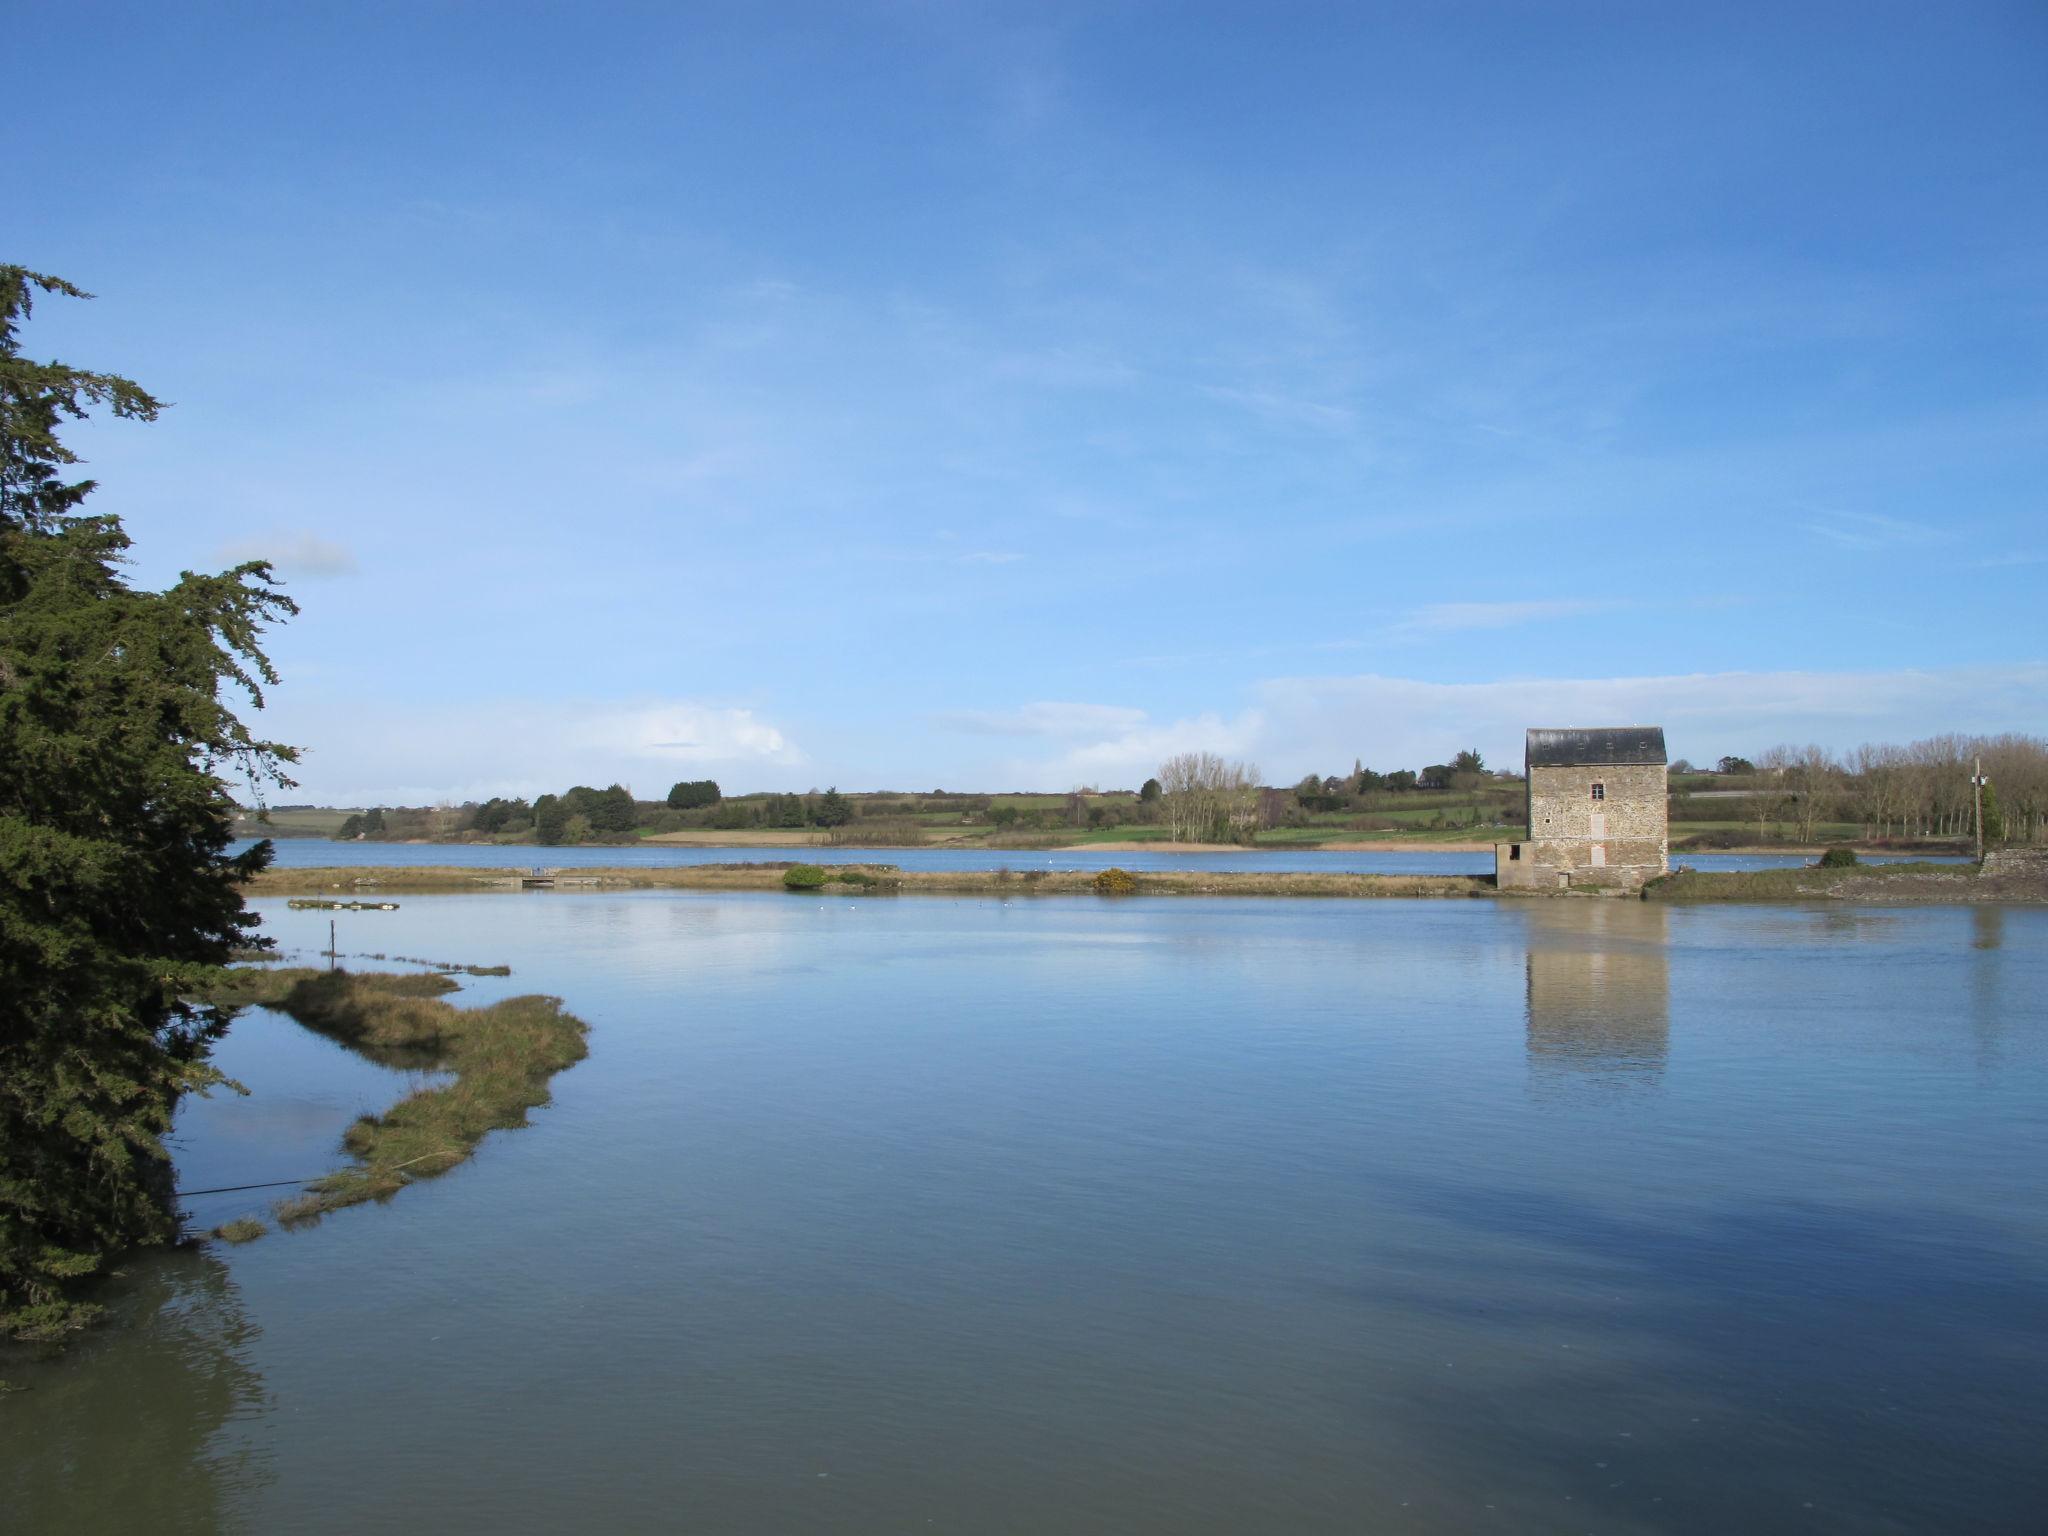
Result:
[[534, 879]]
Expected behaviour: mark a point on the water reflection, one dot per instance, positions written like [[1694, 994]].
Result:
[[134, 1424], [1988, 1001], [1987, 926], [1599, 993]]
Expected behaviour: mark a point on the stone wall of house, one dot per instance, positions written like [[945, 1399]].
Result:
[[1621, 839]]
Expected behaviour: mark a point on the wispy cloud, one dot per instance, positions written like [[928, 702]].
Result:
[[294, 551], [1047, 719], [990, 557], [1451, 618], [1294, 725], [1286, 410], [367, 751], [1407, 722], [1869, 530]]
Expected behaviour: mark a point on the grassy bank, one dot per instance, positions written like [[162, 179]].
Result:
[[873, 878], [1916, 883], [502, 1058], [1870, 882]]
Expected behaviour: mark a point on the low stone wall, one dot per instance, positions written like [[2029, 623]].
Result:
[[2031, 862]]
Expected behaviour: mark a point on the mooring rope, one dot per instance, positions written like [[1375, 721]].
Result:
[[228, 1189]]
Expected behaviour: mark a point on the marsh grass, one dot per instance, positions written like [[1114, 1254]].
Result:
[[879, 832], [501, 1058], [245, 1229], [1866, 882]]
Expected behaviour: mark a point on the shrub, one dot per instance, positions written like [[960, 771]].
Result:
[[1115, 882], [1838, 858], [803, 877]]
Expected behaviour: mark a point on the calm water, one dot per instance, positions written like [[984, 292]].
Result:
[[1146, 1216], [305, 853]]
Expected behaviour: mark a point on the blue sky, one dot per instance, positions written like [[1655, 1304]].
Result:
[[982, 396]]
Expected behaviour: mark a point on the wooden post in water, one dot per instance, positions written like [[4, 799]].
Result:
[[1977, 782], [330, 944]]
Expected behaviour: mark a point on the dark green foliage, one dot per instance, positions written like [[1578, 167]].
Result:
[[1838, 858], [1468, 761], [785, 811], [550, 819], [612, 811], [495, 814], [1150, 791], [1994, 821], [690, 794], [368, 823], [803, 877], [117, 896], [833, 811], [1735, 765]]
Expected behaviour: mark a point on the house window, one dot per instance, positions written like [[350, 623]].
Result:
[[1599, 791]]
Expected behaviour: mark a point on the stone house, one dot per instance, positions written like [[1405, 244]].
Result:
[[1597, 811]]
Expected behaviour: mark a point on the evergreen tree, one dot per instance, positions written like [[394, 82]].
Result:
[[614, 811], [550, 819], [833, 810], [690, 794], [117, 894], [1994, 819]]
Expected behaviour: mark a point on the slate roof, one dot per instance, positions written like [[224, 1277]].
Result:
[[1601, 746]]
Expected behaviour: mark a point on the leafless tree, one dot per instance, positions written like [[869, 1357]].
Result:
[[1209, 798]]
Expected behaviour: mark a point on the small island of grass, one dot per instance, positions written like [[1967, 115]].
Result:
[[502, 1058]]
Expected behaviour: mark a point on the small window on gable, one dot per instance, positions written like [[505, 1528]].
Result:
[[1599, 791]]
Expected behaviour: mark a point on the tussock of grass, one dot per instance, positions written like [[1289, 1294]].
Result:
[[244, 1229], [502, 1057]]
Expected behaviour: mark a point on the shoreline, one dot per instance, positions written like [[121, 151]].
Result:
[[887, 879], [795, 839], [1923, 884]]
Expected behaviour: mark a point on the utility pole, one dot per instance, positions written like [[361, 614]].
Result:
[[1977, 783]]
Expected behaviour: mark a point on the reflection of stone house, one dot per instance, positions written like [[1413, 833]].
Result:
[[1599, 990], [1596, 811]]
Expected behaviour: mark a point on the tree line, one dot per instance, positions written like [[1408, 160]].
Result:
[[1912, 791]]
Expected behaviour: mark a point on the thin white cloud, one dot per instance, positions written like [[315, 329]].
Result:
[[293, 551], [1295, 725], [1046, 719], [1402, 722], [1286, 410], [990, 557], [365, 752], [1869, 530], [1449, 618]]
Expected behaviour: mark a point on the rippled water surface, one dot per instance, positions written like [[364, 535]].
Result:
[[1146, 1216]]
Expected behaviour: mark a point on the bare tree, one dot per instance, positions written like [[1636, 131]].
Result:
[[1209, 798]]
